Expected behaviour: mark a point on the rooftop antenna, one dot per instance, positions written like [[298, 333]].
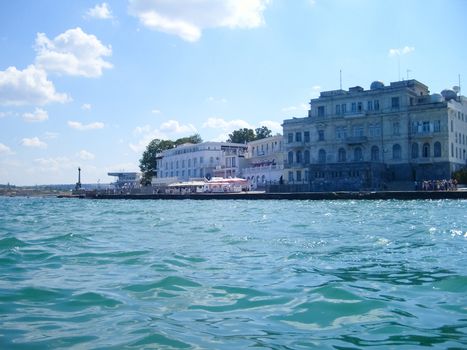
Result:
[[340, 78]]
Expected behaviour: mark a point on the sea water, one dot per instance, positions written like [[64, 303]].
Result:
[[162, 274]]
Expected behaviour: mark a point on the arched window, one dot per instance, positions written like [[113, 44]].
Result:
[[426, 150], [396, 151], [357, 154], [437, 149], [306, 157], [322, 156], [290, 157], [299, 157], [263, 179], [341, 155], [375, 153], [414, 150]]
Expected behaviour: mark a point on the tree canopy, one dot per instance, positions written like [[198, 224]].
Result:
[[148, 164], [246, 135]]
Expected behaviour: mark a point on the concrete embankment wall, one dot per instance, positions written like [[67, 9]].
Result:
[[411, 195]]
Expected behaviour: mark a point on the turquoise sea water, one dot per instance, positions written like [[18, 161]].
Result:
[[83, 274]]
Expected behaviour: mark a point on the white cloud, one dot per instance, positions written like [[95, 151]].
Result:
[[85, 155], [275, 127], [188, 18], [29, 86], [72, 53], [86, 107], [143, 142], [142, 129], [39, 115], [82, 127], [55, 164], [100, 11], [173, 126], [216, 100], [402, 51], [219, 123], [292, 109], [34, 142], [51, 135], [156, 111], [5, 150]]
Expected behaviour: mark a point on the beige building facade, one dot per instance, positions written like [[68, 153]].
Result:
[[371, 139]]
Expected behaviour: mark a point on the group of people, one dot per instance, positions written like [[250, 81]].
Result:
[[436, 185]]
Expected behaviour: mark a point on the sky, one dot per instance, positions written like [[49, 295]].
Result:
[[89, 84]]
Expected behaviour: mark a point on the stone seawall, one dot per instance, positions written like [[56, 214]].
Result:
[[410, 195]]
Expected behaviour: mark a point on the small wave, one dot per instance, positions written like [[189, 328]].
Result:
[[11, 242], [167, 283]]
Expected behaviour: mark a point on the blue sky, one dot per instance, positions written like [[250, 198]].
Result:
[[90, 83]]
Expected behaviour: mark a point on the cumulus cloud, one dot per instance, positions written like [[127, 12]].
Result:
[[34, 142], [82, 127], [39, 115], [188, 18], [72, 53], [28, 86], [100, 11], [402, 51], [5, 150], [54, 164], [85, 155], [226, 125], [86, 107], [148, 135], [275, 127], [173, 126]]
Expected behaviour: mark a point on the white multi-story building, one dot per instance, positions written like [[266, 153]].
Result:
[[265, 161], [203, 160], [360, 138]]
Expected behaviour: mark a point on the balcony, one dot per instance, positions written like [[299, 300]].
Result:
[[356, 140]]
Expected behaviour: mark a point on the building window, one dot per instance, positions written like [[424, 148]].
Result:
[[299, 157], [299, 175], [358, 154], [306, 135], [341, 155], [344, 108], [376, 105], [369, 105], [341, 132], [307, 175], [414, 150], [298, 136], [290, 157], [426, 150], [395, 102], [322, 156], [353, 107], [320, 135], [396, 128], [437, 126], [306, 157], [374, 129], [452, 149], [321, 111], [396, 151], [437, 149], [189, 163], [375, 153], [452, 125], [359, 107], [289, 137], [426, 127], [338, 109], [290, 176], [358, 130]]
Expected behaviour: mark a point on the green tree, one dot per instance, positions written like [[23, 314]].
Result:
[[148, 164], [242, 136], [263, 132], [460, 175]]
